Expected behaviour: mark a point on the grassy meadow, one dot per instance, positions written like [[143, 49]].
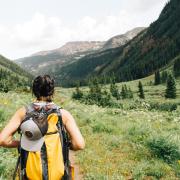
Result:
[[140, 140]]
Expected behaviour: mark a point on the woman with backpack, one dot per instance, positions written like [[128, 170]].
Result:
[[44, 144]]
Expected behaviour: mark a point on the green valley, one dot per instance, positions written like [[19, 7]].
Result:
[[134, 141], [124, 94]]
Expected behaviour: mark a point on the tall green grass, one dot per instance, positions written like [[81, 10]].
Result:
[[139, 140]]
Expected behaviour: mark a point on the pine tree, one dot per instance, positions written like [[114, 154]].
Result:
[[176, 67], [78, 94], [130, 93], [126, 90], [95, 90], [141, 91], [123, 92], [157, 78], [164, 76], [114, 90], [170, 87], [1, 86], [6, 89], [105, 99]]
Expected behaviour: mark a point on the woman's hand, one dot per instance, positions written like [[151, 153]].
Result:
[[77, 141], [10, 143]]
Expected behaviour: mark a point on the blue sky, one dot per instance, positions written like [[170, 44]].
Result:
[[29, 26]]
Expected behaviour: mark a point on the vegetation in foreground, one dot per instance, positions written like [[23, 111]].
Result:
[[139, 140]]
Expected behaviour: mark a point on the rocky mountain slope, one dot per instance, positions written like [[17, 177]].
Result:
[[53, 60], [73, 48], [120, 40], [46, 61]]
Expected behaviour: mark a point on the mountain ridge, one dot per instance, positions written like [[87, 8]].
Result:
[[40, 62], [120, 40], [69, 47], [152, 49]]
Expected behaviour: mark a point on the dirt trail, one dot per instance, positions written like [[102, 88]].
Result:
[[78, 175]]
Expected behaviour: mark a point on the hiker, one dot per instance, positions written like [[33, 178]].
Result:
[[40, 139]]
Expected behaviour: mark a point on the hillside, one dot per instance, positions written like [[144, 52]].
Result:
[[152, 49], [11, 75], [53, 60]]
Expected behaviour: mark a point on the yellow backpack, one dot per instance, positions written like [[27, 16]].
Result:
[[52, 161]]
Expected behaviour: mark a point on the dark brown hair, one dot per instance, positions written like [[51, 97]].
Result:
[[43, 86]]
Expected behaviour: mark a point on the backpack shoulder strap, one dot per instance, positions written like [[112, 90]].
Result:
[[65, 146], [29, 108]]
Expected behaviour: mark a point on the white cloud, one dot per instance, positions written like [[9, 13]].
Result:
[[38, 30], [43, 33], [142, 5], [102, 28]]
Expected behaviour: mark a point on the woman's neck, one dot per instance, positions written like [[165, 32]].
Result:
[[44, 99]]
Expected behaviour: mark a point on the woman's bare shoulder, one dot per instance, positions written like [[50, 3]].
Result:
[[66, 116], [70, 124], [21, 112], [65, 112]]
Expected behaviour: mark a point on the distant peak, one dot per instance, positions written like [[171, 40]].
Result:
[[122, 39]]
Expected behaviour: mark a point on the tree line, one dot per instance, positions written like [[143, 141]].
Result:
[[105, 95]]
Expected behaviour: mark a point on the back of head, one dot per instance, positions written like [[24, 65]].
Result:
[[43, 87]]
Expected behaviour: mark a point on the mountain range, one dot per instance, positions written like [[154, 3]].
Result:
[[152, 49], [53, 60], [138, 56]]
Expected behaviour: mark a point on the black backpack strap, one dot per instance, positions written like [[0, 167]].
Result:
[[63, 135], [23, 161], [65, 146], [29, 108], [44, 160]]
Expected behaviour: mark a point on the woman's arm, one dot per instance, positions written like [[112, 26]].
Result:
[[6, 135], [76, 138]]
